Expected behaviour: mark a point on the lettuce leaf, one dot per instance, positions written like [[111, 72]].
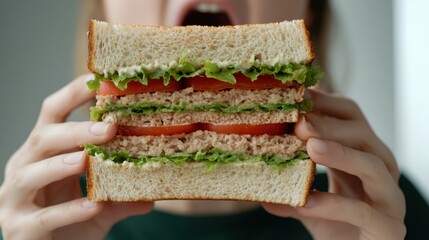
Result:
[[150, 108], [303, 74], [212, 70], [211, 158]]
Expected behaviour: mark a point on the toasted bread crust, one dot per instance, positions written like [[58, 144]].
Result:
[[310, 48], [89, 177], [309, 183], [91, 45]]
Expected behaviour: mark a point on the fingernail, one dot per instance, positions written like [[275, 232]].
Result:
[[99, 129], [308, 125], [318, 146], [311, 201], [88, 77], [73, 158], [307, 94], [88, 204]]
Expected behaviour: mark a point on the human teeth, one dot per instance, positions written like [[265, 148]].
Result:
[[208, 8]]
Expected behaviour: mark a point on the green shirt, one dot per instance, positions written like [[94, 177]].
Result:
[[256, 224]]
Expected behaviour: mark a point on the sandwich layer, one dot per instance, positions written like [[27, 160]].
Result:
[[285, 146], [189, 117], [248, 181], [188, 106], [124, 49], [188, 96]]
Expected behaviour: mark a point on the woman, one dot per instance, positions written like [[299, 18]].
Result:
[[41, 195]]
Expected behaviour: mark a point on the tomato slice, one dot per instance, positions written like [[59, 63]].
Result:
[[202, 83], [260, 129], [156, 130], [154, 85]]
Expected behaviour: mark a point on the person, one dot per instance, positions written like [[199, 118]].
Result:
[[41, 196]]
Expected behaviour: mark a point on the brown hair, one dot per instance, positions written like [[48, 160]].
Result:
[[89, 9], [317, 17]]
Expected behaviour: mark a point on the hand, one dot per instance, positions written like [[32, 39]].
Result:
[[364, 200], [40, 197]]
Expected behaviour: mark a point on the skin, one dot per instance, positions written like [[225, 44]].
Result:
[[40, 197]]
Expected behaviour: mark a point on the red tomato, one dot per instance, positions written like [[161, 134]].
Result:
[[154, 85], [156, 130], [202, 83], [260, 129]]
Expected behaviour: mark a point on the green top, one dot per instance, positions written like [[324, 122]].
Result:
[[256, 224]]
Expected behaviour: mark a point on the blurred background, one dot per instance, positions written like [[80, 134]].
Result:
[[378, 57]]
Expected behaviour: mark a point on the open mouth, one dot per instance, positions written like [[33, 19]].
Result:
[[207, 14]]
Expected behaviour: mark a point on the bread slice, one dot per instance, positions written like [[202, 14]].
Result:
[[108, 181], [115, 47], [246, 178]]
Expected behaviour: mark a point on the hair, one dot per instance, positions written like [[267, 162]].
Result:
[[89, 9], [316, 20]]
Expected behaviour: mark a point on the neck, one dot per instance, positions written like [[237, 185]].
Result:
[[204, 207]]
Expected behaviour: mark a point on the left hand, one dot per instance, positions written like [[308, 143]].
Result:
[[364, 200], [41, 196]]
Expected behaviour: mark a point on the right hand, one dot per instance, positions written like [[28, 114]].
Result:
[[41, 197]]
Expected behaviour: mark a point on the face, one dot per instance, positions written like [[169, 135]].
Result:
[[203, 12]]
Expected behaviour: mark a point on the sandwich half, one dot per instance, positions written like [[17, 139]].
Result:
[[202, 112]]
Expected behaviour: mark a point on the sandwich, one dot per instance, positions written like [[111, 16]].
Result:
[[202, 112]]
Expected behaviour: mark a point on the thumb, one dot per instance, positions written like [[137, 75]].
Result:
[[113, 212], [280, 210]]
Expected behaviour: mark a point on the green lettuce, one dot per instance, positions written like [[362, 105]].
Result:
[[150, 108], [303, 74], [211, 158]]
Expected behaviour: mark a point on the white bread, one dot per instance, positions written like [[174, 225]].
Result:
[[108, 181], [113, 46]]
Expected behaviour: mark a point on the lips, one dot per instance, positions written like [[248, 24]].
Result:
[[207, 13]]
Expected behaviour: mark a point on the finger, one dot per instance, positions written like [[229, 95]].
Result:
[[313, 225], [334, 105], [343, 108], [58, 106], [35, 176], [113, 212], [53, 217], [377, 182], [330, 128], [49, 140], [344, 184], [352, 133], [336, 208], [280, 210]]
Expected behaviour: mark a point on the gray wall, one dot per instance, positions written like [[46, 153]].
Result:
[[36, 40]]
